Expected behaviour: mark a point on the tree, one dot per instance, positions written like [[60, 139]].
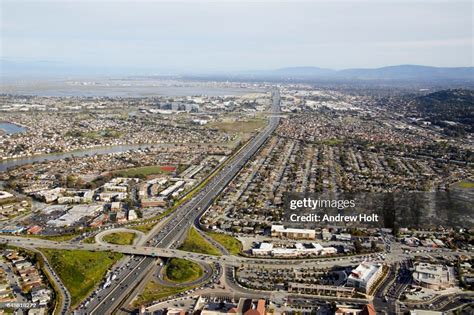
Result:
[[357, 247], [373, 245]]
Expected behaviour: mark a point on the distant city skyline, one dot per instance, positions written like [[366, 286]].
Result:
[[210, 37]]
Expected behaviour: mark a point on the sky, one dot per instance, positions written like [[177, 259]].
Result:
[[228, 36]]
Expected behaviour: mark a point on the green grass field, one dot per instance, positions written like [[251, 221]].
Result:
[[120, 238], [181, 270], [466, 185], [194, 242], [79, 270], [233, 245], [239, 126], [154, 291], [56, 238], [140, 171]]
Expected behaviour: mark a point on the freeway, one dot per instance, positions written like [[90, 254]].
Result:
[[151, 252], [133, 272], [174, 229]]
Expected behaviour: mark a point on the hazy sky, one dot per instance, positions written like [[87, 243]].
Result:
[[195, 36]]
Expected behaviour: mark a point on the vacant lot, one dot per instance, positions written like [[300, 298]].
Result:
[[120, 238], [80, 270], [144, 171], [194, 242], [466, 185], [155, 291], [233, 245], [245, 126]]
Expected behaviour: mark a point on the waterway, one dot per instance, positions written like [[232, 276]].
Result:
[[10, 128], [122, 88], [4, 165]]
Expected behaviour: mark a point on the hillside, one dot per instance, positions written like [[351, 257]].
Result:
[[390, 73], [452, 110]]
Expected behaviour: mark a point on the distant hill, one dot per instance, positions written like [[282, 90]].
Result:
[[450, 109], [402, 72], [390, 74], [409, 72]]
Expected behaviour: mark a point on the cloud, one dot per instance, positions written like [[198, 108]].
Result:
[[432, 43], [238, 35]]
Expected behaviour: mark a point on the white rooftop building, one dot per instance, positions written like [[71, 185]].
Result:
[[5, 195], [281, 231], [267, 249], [365, 276], [75, 214], [432, 276]]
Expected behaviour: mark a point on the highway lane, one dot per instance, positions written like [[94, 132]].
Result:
[[172, 231], [170, 234], [133, 274], [136, 271], [170, 221], [153, 252]]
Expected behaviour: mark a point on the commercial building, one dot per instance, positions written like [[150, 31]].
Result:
[[168, 191], [191, 171], [75, 214], [153, 202], [311, 249], [245, 306], [432, 276], [368, 309], [365, 276], [35, 229], [12, 229], [112, 196], [132, 215], [343, 237], [50, 195], [281, 231]]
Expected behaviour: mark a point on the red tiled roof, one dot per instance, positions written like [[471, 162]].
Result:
[[369, 309]]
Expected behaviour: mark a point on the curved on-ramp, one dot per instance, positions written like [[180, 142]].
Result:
[[139, 236]]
